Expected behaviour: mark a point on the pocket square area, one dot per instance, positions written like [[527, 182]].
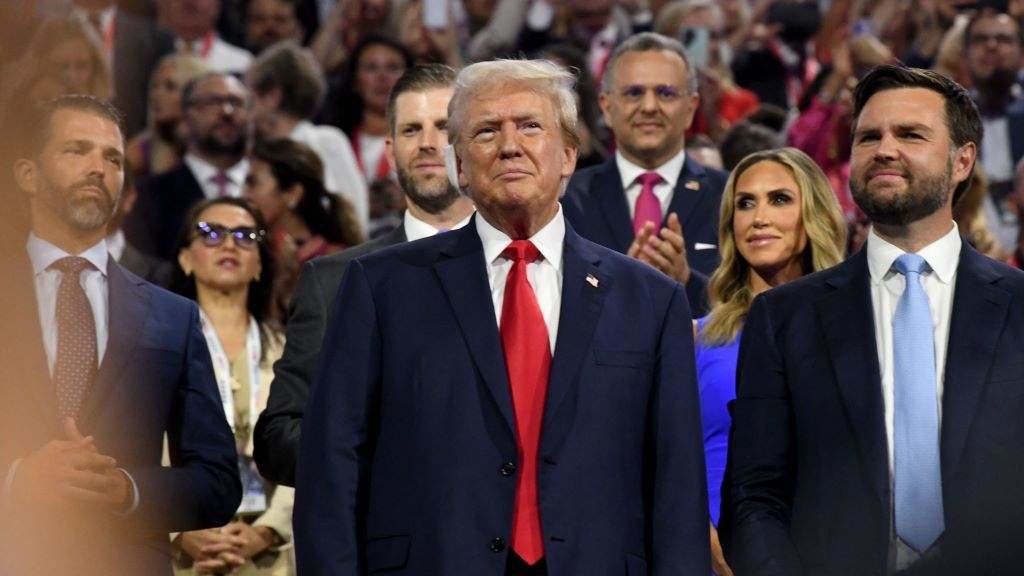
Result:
[[703, 246]]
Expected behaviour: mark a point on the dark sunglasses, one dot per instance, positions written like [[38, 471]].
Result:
[[214, 235]]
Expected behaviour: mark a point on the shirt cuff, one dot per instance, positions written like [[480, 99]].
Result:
[[135, 494]]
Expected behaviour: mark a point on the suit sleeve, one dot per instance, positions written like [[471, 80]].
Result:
[[676, 449], [697, 294], [276, 437], [757, 490], [338, 436], [202, 488]]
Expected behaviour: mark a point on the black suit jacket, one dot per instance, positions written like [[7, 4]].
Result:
[[156, 379], [138, 45], [806, 489], [155, 223], [278, 428], [149, 268], [595, 204]]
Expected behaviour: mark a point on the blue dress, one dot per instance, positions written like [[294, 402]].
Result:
[[716, 376]]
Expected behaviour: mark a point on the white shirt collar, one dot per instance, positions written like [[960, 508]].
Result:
[[942, 256], [116, 244], [203, 170], [43, 254], [416, 229], [548, 240], [669, 171], [303, 127]]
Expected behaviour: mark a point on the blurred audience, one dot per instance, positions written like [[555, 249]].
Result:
[[271, 21], [225, 266], [744, 139], [194, 23]]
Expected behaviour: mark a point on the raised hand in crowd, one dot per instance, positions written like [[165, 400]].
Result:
[[428, 44], [665, 250]]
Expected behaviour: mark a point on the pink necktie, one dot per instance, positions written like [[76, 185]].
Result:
[[648, 207], [221, 180]]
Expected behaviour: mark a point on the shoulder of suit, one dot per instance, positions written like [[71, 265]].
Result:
[[157, 294]]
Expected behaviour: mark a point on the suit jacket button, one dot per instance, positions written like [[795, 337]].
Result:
[[497, 545], [508, 469]]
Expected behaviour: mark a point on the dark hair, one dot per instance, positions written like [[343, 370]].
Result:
[[419, 78], [649, 42], [260, 291], [962, 118], [193, 84], [347, 112], [293, 70], [990, 13], [745, 138], [295, 163], [40, 125], [770, 116]]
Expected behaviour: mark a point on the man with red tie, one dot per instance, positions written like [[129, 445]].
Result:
[[650, 200], [507, 398]]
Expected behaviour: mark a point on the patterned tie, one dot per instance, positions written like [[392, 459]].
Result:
[[75, 368], [221, 180], [917, 473], [648, 207], [524, 339]]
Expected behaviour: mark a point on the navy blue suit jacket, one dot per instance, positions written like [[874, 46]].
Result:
[[410, 423], [807, 484], [156, 377], [595, 204]]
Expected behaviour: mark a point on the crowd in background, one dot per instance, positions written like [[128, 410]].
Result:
[[284, 105]]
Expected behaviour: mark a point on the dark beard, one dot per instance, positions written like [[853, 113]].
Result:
[[923, 197], [211, 146], [431, 203], [168, 132]]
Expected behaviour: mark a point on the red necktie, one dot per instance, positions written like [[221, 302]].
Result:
[[648, 207], [75, 368], [524, 339]]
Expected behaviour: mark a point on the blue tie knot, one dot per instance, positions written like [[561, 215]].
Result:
[[910, 263]]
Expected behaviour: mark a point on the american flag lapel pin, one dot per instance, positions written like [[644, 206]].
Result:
[[592, 280], [692, 185]]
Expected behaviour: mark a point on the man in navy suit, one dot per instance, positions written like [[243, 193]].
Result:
[[103, 366], [877, 423], [650, 200], [506, 398]]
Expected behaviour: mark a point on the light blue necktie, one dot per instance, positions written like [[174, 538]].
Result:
[[917, 473]]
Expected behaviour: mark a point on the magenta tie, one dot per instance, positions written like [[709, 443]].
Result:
[[221, 180], [648, 207]]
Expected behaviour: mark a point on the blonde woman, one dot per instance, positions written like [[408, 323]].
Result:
[[779, 220], [161, 145]]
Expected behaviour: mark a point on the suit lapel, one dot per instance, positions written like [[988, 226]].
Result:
[[847, 322], [970, 350], [612, 201], [463, 275], [584, 287], [690, 190], [127, 303]]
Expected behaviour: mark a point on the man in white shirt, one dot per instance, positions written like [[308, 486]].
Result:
[[507, 398], [215, 108], [876, 427], [109, 366], [418, 117], [194, 23]]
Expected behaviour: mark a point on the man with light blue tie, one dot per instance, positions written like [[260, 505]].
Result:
[[877, 427], [102, 367]]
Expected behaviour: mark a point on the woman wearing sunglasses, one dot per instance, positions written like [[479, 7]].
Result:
[[225, 265]]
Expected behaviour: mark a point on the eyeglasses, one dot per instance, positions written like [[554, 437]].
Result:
[[213, 235], [1001, 39], [663, 92]]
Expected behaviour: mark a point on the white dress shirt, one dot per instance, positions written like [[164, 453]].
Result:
[[887, 285], [416, 229], [219, 56], [669, 172], [42, 254], [545, 274], [341, 171], [205, 172]]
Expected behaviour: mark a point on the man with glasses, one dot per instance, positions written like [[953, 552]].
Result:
[[215, 108], [650, 201]]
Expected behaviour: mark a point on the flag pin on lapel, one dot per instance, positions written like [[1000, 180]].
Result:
[[692, 185], [592, 280]]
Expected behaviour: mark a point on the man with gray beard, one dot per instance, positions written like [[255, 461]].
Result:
[[876, 427], [216, 110], [418, 118]]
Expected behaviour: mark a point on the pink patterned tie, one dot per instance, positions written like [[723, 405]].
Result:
[[75, 368], [648, 207], [221, 180]]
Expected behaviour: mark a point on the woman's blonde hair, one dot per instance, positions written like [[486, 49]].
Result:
[[730, 286], [60, 29], [164, 154]]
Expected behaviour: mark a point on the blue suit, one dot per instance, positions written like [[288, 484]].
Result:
[[155, 377], [807, 487], [408, 452], [595, 204]]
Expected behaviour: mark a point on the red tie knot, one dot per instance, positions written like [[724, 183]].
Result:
[[73, 265], [521, 250], [649, 179]]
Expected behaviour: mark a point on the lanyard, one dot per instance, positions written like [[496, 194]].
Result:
[[222, 366]]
